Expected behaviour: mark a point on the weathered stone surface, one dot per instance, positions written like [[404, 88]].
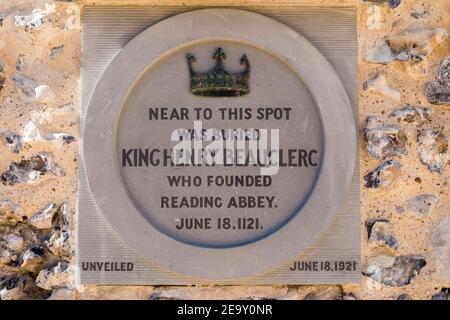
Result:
[[383, 175], [55, 277], [394, 271], [65, 216], [346, 296], [17, 288], [10, 213], [68, 138], [35, 18], [13, 142], [394, 3], [2, 75], [413, 115], [422, 204], [31, 133], [60, 243], [33, 90], [444, 72], [379, 85], [44, 217], [325, 293], [380, 233], [32, 259], [49, 115], [433, 149], [6, 255], [384, 141], [440, 249], [404, 296], [382, 53], [420, 15], [14, 242], [443, 295], [29, 171], [20, 62], [13, 239], [414, 45], [438, 92], [56, 51]]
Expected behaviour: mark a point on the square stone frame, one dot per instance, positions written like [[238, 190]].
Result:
[[106, 29]]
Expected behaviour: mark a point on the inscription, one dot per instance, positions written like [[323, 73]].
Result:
[[328, 266], [107, 266], [219, 223]]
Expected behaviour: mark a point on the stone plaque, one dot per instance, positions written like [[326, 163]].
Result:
[[218, 145]]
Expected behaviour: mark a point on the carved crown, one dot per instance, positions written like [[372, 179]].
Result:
[[218, 82]]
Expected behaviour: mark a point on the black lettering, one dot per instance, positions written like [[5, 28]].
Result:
[[126, 160]]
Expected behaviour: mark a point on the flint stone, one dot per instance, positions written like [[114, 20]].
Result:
[[379, 85], [29, 171], [43, 219], [59, 243], [10, 213], [6, 255], [433, 149], [438, 92], [420, 15], [346, 296], [56, 51], [14, 242], [411, 45], [416, 43], [54, 277], [383, 175], [422, 205], [443, 295], [394, 3], [13, 142], [31, 133], [414, 115], [20, 62], [394, 271], [381, 234], [33, 90], [2, 75], [34, 18], [65, 215], [16, 288], [384, 141], [444, 72], [32, 259], [325, 293]]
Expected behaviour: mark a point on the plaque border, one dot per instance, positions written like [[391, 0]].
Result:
[[339, 130]]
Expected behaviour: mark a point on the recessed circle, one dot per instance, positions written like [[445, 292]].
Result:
[[202, 205]]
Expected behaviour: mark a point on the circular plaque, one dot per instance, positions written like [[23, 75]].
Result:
[[219, 143]]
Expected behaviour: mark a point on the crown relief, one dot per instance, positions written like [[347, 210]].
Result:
[[218, 82]]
